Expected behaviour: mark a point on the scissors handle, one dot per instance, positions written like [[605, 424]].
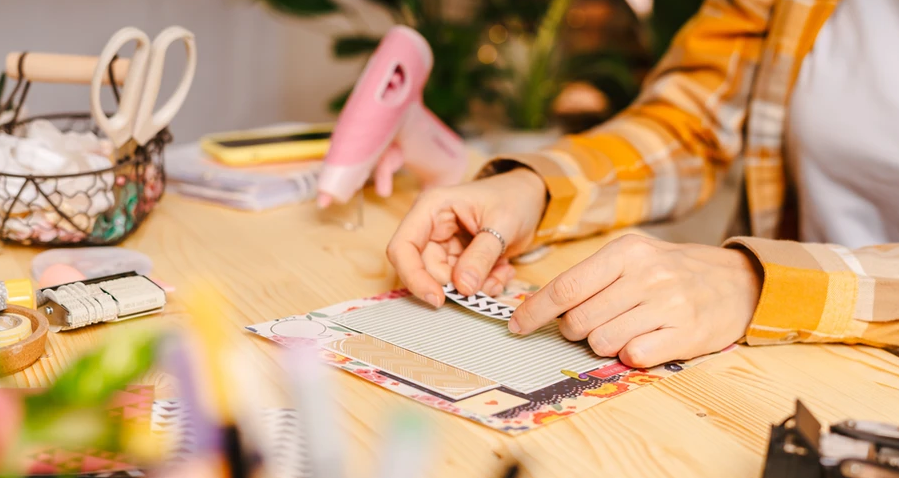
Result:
[[150, 122], [119, 126]]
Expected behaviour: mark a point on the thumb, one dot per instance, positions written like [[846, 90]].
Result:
[[476, 262]]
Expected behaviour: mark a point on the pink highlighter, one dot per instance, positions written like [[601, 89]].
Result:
[[385, 124]]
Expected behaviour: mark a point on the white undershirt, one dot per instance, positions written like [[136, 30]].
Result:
[[842, 142]]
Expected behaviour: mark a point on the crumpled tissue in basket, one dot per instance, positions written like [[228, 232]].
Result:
[[46, 151]]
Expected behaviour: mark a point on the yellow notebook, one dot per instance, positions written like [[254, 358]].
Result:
[[269, 145]]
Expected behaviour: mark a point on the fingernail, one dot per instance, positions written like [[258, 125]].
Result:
[[513, 326], [470, 280], [432, 299], [496, 290]]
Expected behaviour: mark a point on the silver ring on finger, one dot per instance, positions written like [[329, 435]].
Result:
[[498, 236]]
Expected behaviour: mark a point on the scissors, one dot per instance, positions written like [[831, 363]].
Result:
[[136, 122]]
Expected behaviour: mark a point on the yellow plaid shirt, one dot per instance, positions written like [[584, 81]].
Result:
[[721, 92]]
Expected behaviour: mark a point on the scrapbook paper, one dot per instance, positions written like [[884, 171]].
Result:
[[173, 429], [282, 441], [481, 303], [437, 376], [475, 343], [501, 408], [492, 402], [132, 406]]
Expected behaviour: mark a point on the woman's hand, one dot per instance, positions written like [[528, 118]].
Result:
[[649, 301], [438, 240]]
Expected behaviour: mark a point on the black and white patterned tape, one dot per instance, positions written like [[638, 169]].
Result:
[[481, 303]]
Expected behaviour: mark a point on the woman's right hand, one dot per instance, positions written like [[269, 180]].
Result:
[[438, 240]]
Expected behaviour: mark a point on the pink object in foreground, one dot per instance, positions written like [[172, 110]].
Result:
[[385, 125], [11, 411]]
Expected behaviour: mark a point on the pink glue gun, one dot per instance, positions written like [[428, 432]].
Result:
[[385, 125]]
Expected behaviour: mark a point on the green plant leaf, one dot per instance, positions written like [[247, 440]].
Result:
[[336, 104], [529, 107], [304, 8], [345, 47], [71, 410]]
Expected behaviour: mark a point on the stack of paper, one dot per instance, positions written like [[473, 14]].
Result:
[[191, 173]]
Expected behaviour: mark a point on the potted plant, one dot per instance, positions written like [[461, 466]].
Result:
[[532, 61]]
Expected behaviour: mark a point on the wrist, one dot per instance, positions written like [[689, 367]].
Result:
[[531, 185], [752, 275]]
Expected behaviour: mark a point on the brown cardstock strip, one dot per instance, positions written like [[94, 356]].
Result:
[[437, 376]]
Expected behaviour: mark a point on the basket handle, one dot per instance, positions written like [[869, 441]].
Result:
[[59, 68]]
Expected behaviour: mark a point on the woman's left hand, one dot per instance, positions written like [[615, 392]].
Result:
[[649, 301]]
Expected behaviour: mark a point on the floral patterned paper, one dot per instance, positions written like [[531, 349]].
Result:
[[556, 402]]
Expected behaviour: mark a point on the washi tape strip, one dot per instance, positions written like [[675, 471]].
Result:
[[480, 303]]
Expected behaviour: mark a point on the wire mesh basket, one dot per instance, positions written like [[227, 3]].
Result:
[[101, 207]]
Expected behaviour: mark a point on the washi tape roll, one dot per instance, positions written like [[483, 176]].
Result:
[[21, 355], [13, 329], [17, 292]]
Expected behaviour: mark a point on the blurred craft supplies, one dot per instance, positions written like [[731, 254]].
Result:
[[268, 145], [136, 122], [191, 173]]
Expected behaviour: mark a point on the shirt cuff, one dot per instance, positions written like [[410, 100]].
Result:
[[799, 301]]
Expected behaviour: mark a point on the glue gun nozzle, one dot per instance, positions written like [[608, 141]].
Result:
[[324, 200]]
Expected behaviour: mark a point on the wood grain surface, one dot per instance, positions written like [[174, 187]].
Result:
[[711, 420]]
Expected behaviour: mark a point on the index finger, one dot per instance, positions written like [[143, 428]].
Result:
[[405, 253], [568, 290]]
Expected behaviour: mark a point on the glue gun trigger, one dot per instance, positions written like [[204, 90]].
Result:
[[391, 162]]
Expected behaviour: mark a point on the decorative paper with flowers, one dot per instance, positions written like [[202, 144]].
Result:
[[450, 389]]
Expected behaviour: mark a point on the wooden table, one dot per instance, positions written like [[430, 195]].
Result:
[[711, 420]]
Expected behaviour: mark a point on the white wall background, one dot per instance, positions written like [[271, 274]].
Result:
[[255, 66]]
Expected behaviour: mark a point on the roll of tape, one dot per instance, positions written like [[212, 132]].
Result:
[[17, 292], [14, 328], [21, 355]]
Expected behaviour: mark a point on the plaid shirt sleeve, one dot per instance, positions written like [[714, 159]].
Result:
[[825, 293], [665, 154]]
